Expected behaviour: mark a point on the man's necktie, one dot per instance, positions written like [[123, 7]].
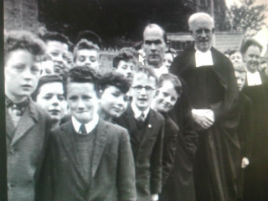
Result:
[[82, 129], [141, 118]]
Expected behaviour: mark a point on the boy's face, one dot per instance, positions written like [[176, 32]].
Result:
[[166, 97], [21, 74], [143, 90], [168, 59], [58, 52], [82, 100], [113, 101], [240, 79], [236, 58], [51, 98], [126, 68], [87, 57]]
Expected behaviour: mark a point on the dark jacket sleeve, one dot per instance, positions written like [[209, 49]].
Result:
[[46, 181], [225, 71], [169, 146], [126, 170], [156, 161], [245, 125]]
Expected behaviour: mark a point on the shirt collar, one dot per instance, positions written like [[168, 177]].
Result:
[[160, 71], [137, 112], [90, 126], [203, 58]]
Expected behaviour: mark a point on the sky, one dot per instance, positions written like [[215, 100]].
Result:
[[262, 35]]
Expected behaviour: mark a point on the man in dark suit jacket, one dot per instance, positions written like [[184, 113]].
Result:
[[27, 125], [146, 129], [212, 91], [88, 159]]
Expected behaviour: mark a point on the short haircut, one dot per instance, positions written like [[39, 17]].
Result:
[[131, 50], [55, 36], [84, 44], [45, 80], [194, 18], [151, 26], [250, 42], [90, 36], [173, 79], [124, 55], [82, 74], [231, 52], [114, 79], [147, 71], [24, 40]]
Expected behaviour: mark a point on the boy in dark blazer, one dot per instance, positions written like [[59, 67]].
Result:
[[26, 124], [89, 158], [179, 143], [146, 129]]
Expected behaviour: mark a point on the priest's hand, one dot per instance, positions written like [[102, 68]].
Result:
[[155, 197], [244, 162], [204, 117]]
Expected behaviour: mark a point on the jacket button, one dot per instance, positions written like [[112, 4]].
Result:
[[12, 150]]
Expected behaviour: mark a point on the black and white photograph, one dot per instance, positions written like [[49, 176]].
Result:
[[134, 100]]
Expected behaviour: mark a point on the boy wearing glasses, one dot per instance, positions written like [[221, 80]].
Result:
[[146, 129]]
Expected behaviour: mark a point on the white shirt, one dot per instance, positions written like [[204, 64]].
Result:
[[203, 58], [90, 126], [160, 71], [137, 112], [254, 79]]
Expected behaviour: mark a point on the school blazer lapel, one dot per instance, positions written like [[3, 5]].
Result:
[[100, 143], [149, 130], [26, 123], [132, 125]]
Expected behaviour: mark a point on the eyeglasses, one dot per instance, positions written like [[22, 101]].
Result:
[[207, 31], [139, 88]]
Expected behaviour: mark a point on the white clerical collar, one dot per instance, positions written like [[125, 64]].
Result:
[[253, 79], [137, 112], [89, 126], [203, 58]]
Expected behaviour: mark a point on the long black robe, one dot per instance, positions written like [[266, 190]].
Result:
[[256, 174], [217, 158]]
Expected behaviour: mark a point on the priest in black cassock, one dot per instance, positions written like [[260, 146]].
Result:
[[212, 91], [256, 174]]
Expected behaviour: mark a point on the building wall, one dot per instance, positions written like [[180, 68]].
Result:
[[21, 14]]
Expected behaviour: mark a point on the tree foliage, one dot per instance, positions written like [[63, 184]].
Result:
[[247, 18]]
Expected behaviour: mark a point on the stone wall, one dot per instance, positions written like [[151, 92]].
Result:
[[21, 14]]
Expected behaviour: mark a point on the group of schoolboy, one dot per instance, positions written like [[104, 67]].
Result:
[[74, 133]]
